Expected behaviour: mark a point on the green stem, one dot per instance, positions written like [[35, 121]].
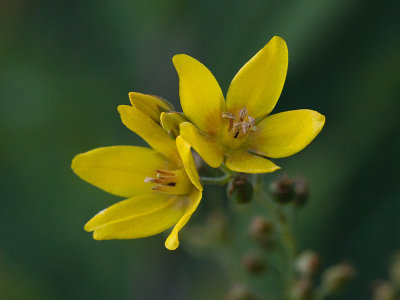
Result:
[[287, 237], [216, 180], [225, 169], [224, 179]]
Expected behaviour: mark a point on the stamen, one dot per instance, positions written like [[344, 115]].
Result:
[[165, 172], [163, 179], [251, 121], [228, 115], [166, 177], [241, 122], [245, 127], [149, 179], [236, 126], [243, 112]]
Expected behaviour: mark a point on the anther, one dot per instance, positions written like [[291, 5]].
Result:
[[228, 115], [163, 178], [243, 113], [241, 122]]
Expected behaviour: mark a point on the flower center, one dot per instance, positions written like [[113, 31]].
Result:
[[174, 182], [238, 127]]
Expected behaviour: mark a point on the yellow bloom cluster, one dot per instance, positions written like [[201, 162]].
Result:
[[161, 183]]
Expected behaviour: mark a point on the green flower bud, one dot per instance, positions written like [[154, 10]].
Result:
[[384, 291], [337, 277], [239, 189], [302, 290], [253, 263], [283, 190], [240, 292], [301, 189], [307, 263], [262, 231], [395, 270]]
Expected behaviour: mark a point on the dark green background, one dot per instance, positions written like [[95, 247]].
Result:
[[66, 65]]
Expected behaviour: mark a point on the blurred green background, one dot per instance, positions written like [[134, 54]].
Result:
[[66, 65]]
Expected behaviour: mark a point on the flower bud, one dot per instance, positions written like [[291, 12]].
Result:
[[302, 290], [307, 263], [337, 277], [301, 189], [395, 270], [261, 230], [240, 292], [239, 189], [384, 291], [283, 190], [253, 263], [170, 121], [150, 105]]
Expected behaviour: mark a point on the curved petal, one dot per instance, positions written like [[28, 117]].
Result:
[[172, 241], [137, 217], [119, 170], [150, 105], [286, 133], [201, 97], [150, 131], [207, 147], [259, 83], [188, 162], [242, 161]]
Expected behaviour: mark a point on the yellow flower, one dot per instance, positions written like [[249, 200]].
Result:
[[162, 184], [240, 129]]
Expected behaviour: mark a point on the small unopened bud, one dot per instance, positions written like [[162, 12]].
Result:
[[253, 263], [337, 277], [261, 231], [240, 292], [239, 189], [384, 291], [283, 190], [395, 270], [307, 263], [302, 290], [301, 189]]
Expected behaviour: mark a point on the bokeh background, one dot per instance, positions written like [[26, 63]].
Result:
[[65, 66]]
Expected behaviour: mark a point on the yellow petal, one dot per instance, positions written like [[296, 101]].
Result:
[[170, 121], [137, 217], [259, 83], [172, 241], [150, 105], [242, 161], [201, 97], [188, 162], [286, 133], [150, 131], [206, 146], [119, 170]]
